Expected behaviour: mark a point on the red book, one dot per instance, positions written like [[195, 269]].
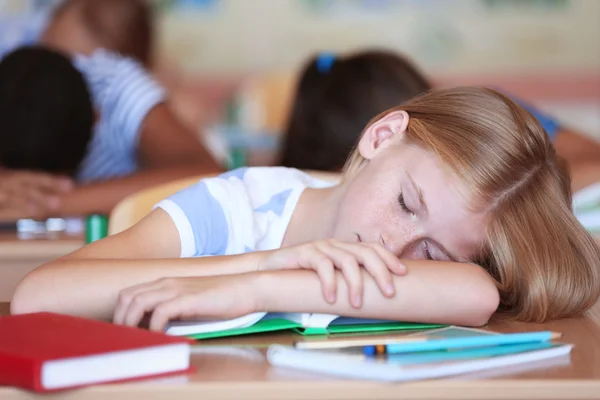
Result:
[[47, 352]]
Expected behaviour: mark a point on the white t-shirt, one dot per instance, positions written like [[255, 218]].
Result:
[[244, 210]]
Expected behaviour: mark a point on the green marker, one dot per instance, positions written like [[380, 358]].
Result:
[[96, 227]]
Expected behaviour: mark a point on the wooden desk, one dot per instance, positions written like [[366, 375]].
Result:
[[19, 256], [232, 373]]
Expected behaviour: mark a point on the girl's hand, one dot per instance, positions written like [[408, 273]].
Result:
[[212, 297], [325, 256]]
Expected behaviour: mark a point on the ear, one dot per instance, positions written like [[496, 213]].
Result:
[[377, 136]]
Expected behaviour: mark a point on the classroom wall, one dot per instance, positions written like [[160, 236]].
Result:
[[445, 37], [545, 51]]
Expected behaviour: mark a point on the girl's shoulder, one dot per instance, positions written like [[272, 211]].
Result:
[[258, 203], [242, 210], [261, 183]]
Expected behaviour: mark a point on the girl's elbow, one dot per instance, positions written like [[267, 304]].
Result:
[[27, 298], [484, 303], [20, 304]]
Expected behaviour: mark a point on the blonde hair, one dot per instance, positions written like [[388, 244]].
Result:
[[546, 265]]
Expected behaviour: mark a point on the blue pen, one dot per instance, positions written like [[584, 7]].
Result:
[[472, 341], [369, 351]]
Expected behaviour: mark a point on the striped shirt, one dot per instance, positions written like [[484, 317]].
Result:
[[123, 94]]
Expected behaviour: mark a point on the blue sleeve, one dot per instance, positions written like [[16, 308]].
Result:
[[199, 219], [550, 125]]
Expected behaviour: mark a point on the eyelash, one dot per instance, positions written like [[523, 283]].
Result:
[[408, 211], [403, 205], [427, 252]]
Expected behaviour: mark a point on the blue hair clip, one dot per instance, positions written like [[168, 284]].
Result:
[[325, 62]]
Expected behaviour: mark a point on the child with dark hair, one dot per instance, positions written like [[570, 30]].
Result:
[[335, 99], [337, 96], [46, 112], [98, 119], [70, 27]]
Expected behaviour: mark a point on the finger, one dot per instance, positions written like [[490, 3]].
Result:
[[42, 199], [65, 184], [325, 269], [48, 182], [127, 295], [9, 213], [146, 302], [393, 263], [31, 210], [372, 261], [177, 307], [4, 199], [20, 209], [24, 207], [348, 265]]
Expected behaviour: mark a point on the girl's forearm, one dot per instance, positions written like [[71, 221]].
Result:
[[432, 292], [90, 287]]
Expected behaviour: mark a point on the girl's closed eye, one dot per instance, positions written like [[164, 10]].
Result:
[[404, 206], [428, 255]]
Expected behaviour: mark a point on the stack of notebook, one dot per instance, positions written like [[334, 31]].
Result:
[[406, 351], [423, 355]]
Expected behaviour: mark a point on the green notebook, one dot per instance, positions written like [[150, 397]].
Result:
[[303, 323]]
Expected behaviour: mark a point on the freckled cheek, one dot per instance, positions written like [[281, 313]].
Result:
[[384, 216], [399, 232]]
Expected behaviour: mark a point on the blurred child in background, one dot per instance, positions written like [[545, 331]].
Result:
[[99, 125], [337, 96], [101, 117]]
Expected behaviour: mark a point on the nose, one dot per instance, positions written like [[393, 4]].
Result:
[[401, 240]]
